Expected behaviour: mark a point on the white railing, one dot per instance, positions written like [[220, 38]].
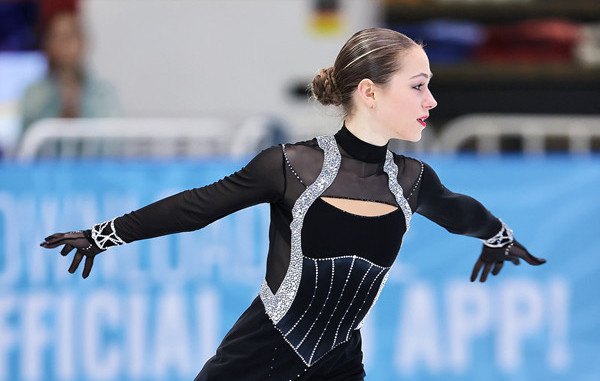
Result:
[[133, 137], [534, 130], [198, 137]]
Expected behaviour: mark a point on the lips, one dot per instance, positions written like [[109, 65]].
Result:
[[421, 120]]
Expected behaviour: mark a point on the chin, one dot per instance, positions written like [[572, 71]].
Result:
[[411, 138], [408, 133]]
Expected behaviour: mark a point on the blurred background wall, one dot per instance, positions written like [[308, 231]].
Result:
[[230, 58], [189, 90], [217, 57], [236, 59]]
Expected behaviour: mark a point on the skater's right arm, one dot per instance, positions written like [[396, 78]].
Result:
[[261, 180]]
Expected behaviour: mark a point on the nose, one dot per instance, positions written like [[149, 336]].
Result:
[[429, 102]]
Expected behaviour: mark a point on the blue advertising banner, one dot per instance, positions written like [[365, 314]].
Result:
[[157, 309]]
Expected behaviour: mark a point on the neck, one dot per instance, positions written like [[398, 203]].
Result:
[[362, 127], [67, 74], [360, 149]]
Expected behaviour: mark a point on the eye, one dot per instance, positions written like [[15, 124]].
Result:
[[418, 87]]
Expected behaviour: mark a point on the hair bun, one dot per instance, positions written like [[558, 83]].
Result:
[[324, 88]]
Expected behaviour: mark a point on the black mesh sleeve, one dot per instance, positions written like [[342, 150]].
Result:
[[261, 180], [457, 213]]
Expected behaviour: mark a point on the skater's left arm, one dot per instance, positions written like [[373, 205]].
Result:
[[462, 214]]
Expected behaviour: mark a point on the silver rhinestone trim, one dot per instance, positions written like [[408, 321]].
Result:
[[418, 180], [351, 303], [363, 304], [354, 257], [321, 310], [309, 358], [290, 344], [301, 357], [309, 304], [333, 312], [374, 300], [501, 239], [277, 305], [391, 169], [105, 235], [290, 164]]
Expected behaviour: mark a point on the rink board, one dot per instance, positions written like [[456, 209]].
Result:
[[157, 309]]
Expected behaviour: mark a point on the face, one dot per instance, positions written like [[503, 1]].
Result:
[[64, 43], [403, 104]]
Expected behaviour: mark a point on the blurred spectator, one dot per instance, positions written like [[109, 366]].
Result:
[[446, 41], [533, 41], [68, 90]]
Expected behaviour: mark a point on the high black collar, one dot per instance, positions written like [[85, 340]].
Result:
[[359, 149]]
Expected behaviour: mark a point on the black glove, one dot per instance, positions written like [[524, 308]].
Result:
[[512, 251], [80, 240]]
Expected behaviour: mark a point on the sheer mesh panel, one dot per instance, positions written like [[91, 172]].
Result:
[[410, 174], [270, 178], [356, 180]]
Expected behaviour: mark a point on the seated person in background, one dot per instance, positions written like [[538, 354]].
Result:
[[67, 90]]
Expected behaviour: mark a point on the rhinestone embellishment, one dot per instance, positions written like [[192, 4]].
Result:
[[391, 169], [277, 305], [313, 339], [105, 235], [502, 238]]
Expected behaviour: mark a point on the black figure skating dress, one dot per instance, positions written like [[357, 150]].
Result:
[[325, 266]]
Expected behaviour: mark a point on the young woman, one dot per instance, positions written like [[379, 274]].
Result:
[[68, 90], [340, 206]]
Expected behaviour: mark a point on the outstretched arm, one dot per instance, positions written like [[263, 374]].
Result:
[[262, 180], [503, 246], [462, 214]]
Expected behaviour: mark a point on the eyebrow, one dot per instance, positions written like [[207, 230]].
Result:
[[422, 75]]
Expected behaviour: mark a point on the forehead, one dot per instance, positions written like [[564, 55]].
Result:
[[63, 23], [414, 62]]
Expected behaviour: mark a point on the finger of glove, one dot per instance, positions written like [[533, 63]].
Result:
[[66, 250], [533, 260], [54, 237], [89, 262], [476, 269], [497, 267], [520, 251], [76, 261], [53, 241], [485, 272], [515, 261]]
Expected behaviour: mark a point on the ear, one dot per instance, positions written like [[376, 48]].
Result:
[[366, 91]]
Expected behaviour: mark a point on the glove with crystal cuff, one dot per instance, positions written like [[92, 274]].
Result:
[[499, 248], [80, 240], [88, 243]]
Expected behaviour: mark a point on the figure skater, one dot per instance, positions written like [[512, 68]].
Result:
[[340, 206]]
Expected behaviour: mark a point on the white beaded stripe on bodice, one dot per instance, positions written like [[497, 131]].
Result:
[[278, 304]]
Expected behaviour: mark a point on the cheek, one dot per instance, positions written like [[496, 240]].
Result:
[[405, 110], [400, 107]]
